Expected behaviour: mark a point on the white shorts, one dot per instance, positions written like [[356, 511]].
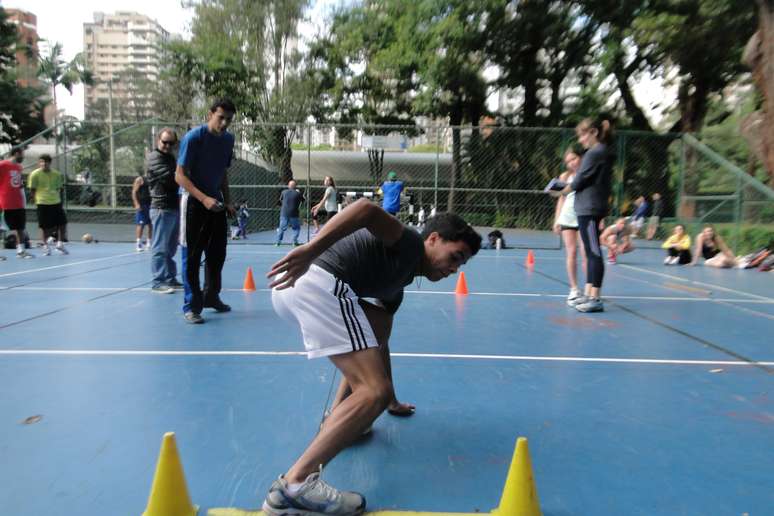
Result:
[[332, 322]]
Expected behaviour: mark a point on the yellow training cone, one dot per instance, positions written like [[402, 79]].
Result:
[[520, 497], [169, 494]]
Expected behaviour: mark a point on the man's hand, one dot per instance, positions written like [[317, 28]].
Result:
[[231, 210], [211, 204], [291, 267]]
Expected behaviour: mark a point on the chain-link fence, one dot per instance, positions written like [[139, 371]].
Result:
[[492, 176], [711, 190]]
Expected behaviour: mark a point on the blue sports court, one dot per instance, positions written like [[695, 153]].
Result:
[[661, 405]]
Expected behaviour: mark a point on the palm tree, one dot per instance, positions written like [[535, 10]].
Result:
[[56, 71]]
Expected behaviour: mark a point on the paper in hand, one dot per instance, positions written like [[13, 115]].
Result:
[[555, 185]]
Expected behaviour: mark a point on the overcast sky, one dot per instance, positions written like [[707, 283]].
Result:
[[62, 21]]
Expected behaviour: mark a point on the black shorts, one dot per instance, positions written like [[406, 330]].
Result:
[[568, 228], [16, 219], [51, 216], [323, 216]]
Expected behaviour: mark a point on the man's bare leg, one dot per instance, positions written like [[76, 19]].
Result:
[[381, 323], [371, 394]]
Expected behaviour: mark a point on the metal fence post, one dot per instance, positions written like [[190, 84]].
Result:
[[308, 179], [113, 200], [738, 211], [437, 159], [64, 168], [681, 180]]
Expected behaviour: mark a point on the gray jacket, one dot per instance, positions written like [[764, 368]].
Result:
[[161, 179], [592, 182]]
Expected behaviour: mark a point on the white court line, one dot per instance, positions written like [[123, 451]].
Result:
[[678, 278], [431, 292], [70, 264], [99, 352]]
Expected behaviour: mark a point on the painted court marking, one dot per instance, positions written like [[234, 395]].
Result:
[[420, 292], [69, 264], [700, 283], [191, 353]]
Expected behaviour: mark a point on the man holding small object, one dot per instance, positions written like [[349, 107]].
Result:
[[205, 155]]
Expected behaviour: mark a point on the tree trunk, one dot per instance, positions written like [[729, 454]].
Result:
[[759, 56]]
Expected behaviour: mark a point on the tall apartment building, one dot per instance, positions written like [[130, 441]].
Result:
[[118, 47], [27, 54]]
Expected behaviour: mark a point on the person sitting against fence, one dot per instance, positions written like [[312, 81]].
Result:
[[678, 247], [712, 247], [617, 238]]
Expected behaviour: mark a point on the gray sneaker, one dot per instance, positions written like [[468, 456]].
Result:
[[578, 300], [193, 318], [162, 289], [24, 254], [314, 498], [592, 304]]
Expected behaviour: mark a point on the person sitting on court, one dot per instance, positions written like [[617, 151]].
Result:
[[678, 247], [391, 190], [712, 247], [347, 284], [617, 238]]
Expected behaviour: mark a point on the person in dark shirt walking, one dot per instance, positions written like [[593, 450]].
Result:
[[291, 199]]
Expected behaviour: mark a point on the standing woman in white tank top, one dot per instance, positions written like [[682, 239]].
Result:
[[566, 223]]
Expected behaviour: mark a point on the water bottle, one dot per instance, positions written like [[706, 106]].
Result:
[[499, 244]]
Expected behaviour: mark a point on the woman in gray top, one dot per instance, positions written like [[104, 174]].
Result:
[[592, 190]]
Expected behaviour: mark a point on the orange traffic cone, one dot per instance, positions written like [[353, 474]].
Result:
[[249, 283], [169, 494], [462, 285], [530, 262]]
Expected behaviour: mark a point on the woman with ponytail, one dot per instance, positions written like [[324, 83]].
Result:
[[592, 190]]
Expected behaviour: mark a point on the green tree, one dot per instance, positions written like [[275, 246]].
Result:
[[56, 71], [21, 108], [242, 49]]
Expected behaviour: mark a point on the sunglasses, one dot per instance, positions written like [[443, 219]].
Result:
[[168, 142]]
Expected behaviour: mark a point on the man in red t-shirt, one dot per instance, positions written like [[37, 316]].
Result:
[[12, 199]]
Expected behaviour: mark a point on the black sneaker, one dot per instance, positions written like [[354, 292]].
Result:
[[218, 305], [175, 284], [193, 318]]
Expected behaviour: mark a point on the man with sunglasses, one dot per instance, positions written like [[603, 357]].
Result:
[[164, 212]]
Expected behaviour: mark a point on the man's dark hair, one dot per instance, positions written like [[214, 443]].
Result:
[[223, 103], [45, 157], [452, 228]]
